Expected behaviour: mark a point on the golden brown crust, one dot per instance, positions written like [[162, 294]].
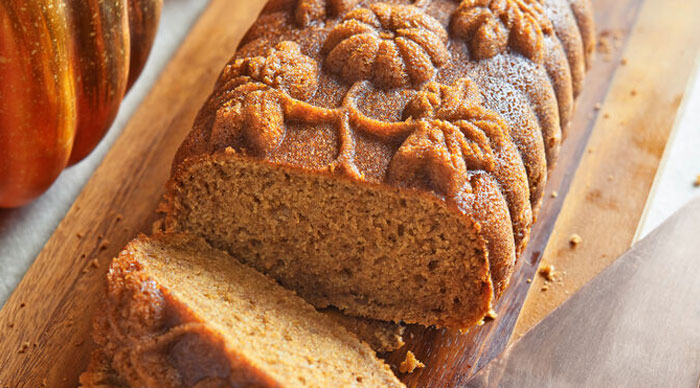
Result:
[[354, 89], [513, 105], [490, 26], [569, 36], [490, 207], [391, 45], [310, 11], [583, 12], [100, 374], [456, 113], [560, 75]]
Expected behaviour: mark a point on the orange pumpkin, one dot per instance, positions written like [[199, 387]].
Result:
[[64, 68]]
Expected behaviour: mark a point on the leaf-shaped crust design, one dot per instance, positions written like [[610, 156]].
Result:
[[455, 134], [261, 88], [489, 26], [309, 11], [392, 45]]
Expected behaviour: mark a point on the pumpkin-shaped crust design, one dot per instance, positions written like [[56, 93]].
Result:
[[310, 11], [454, 135], [262, 89], [392, 45], [489, 26], [285, 68]]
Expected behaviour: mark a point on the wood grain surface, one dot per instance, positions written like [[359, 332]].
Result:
[[45, 325], [609, 191]]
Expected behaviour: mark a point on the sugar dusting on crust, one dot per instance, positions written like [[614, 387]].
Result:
[[372, 47], [393, 45], [307, 12], [454, 133], [490, 26], [444, 141]]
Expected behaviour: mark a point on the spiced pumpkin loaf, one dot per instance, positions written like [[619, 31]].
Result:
[[387, 158], [179, 313]]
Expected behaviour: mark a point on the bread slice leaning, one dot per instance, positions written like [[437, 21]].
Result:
[[179, 313]]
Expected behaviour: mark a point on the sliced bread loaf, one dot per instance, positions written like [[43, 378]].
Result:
[[387, 158], [179, 313]]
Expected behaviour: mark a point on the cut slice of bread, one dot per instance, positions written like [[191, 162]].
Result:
[[179, 313]]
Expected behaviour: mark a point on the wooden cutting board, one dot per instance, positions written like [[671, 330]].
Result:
[[45, 324]]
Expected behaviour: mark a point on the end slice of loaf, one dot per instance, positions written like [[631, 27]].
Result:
[[179, 313]]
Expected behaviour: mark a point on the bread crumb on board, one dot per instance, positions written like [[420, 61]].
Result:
[[23, 348], [548, 273], [492, 314], [410, 364], [94, 263], [575, 240], [103, 245], [555, 194], [551, 276], [608, 42]]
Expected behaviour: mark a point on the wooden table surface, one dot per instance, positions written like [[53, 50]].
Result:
[[46, 322]]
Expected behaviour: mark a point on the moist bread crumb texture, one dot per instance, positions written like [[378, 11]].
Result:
[[179, 313], [383, 337], [387, 158], [410, 363]]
